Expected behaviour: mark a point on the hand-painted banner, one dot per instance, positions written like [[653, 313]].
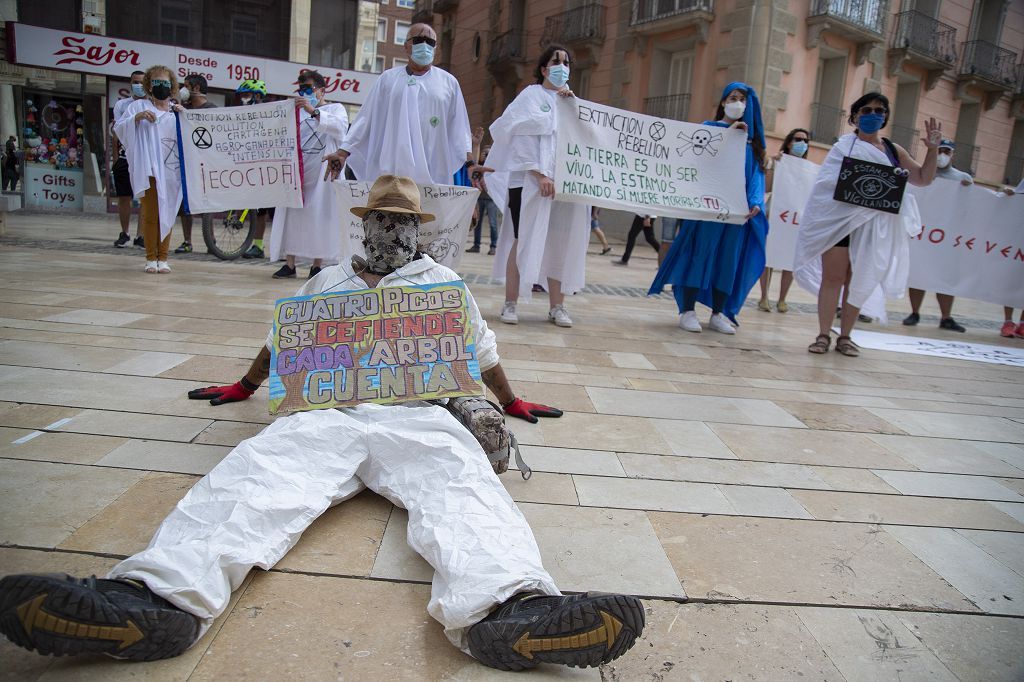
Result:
[[240, 157], [971, 244], [441, 239], [384, 346], [620, 159], [794, 178]]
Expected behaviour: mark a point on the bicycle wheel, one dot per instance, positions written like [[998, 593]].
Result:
[[226, 236]]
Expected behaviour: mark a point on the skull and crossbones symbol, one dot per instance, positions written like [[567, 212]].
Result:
[[700, 141]]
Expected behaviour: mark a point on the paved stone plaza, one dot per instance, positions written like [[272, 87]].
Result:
[[783, 515]]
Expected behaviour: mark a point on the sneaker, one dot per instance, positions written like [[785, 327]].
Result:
[[314, 271], [140, 242], [186, 247], [764, 306], [689, 322], [720, 323], [582, 630], [619, 261], [151, 266], [490, 251], [58, 615], [473, 249], [951, 325], [162, 267], [1020, 331], [508, 313], [782, 307], [865, 319], [1009, 329], [285, 272], [253, 252], [911, 320], [559, 316], [122, 240]]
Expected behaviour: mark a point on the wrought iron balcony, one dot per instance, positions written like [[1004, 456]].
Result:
[[862, 21], [506, 48], [925, 40], [826, 122], [864, 15], [905, 136], [671, 13], [583, 24], [674, 107], [989, 65]]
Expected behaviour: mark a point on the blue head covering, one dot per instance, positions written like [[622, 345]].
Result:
[[752, 115]]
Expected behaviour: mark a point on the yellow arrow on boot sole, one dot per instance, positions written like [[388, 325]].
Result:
[[33, 617], [602, 634]]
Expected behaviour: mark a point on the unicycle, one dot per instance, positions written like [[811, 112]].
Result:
[[230, 234]]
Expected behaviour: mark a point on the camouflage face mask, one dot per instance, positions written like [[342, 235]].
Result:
[[389, 240]]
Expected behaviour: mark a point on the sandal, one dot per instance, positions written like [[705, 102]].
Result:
[[846, 346], [820, 345]]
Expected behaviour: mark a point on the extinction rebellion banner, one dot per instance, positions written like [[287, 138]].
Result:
[[970, 244], [383, 346], [620, 159], [240, 157], [441, 239]]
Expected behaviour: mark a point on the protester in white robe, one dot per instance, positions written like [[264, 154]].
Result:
[[542, 241], [147, 128], [413, 122], [312, 232], [863, 249]]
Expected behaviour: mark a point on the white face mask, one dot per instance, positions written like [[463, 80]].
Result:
[[735, 110], [944, 160], [183, 94]]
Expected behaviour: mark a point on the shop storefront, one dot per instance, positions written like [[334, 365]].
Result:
[[65, 132]]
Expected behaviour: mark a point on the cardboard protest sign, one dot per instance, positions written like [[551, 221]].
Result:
[[240, 157], [871, 185], [794, 178], [441, 239], [384, 346], [620, 159]]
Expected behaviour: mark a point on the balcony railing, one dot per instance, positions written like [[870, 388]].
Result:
[[645, 11], [905, 137], [868, 15], [920, 33], [674, 107], [826, 122], [990, 62], [508, 46], [576, 25]]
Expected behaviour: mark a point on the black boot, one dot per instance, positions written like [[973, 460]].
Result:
[[58, 615], [581, 631]]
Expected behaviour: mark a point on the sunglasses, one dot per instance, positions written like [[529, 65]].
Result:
[[305, 90], [881, 111], [424, 39]]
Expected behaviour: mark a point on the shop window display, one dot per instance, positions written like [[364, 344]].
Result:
[[53, 131]]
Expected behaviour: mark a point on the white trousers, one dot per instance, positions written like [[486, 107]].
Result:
[[253, 507]]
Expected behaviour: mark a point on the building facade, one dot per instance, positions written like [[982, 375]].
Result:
[[957, 60]]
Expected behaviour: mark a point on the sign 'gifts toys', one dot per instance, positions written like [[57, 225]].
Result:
[[384, 346]]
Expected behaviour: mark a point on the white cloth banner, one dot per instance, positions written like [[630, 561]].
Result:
[[441, 239], [240, 157], [790, 190], [972, 244], [957, 350], [619, 159]]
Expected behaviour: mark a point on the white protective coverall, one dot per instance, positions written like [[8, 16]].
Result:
[[879, 241], [553, 235], [254, 505], [152, 151], [314, 231], [416, 126]]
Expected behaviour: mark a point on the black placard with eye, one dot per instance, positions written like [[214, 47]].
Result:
[[871, 185]]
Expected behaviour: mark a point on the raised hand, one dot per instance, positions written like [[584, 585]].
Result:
[[932, 133]]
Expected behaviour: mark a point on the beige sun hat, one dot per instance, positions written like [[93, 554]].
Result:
[[394, 194]]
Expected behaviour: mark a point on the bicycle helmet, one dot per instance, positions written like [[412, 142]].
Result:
[[251, 85]]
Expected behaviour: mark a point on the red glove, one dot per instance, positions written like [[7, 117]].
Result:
[[218, 395], [530, 411]]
